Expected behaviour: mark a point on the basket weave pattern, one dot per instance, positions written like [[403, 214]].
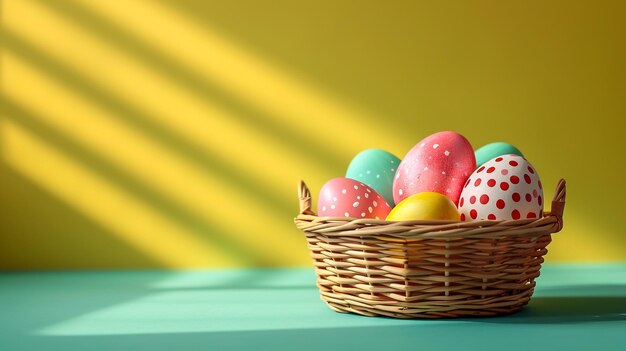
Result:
[[427, 269]]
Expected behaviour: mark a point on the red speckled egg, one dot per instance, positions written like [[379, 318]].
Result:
[[344, 197], [503, 188], [441, 163]]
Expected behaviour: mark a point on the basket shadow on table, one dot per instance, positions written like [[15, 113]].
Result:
[[570, 304], [550, 305]]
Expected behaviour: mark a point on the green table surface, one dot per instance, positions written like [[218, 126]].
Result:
[[575, 307]]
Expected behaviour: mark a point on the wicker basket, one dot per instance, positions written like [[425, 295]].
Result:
[[427, 269]]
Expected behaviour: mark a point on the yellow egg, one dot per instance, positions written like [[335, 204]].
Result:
[[424, 206]]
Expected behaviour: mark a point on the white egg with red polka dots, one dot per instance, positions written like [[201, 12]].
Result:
[[503, 188]]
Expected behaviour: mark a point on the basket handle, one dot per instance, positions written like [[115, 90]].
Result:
[[304, 194], [558, 204]]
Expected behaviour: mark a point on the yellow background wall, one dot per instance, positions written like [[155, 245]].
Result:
[[172, 134]]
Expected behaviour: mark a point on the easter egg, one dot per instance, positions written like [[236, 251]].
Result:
[[439, 163], [424, 206], [506, 187], [493, 150], [376, 168], [344, 197]]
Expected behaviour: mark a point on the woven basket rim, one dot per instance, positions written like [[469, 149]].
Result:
[[309, 222]]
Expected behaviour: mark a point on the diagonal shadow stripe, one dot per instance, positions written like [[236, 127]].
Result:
[[215, 235], [142, 122], [307, 145], [14, 255]]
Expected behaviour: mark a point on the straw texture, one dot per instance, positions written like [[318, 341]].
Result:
[[427, 269]]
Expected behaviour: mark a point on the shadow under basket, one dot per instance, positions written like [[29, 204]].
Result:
[[427, 269]]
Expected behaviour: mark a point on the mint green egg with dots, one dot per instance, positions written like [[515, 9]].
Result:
[[489, 151], [375, 168]]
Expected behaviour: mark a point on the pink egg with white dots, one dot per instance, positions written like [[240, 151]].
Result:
[[504, 188], [439, 163], [344, 197]]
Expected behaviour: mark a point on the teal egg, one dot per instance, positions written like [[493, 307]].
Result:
[[492, 150], [375, 168]]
